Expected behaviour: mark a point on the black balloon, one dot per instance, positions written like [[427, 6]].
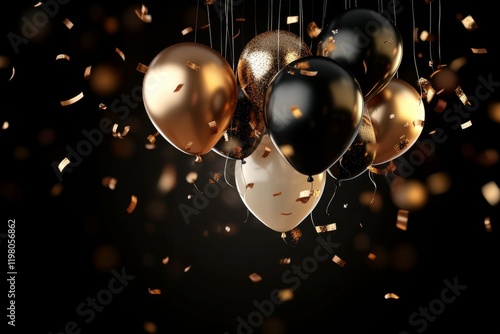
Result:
[[360, 155], [245, 131], [313, 110], [367, 43]]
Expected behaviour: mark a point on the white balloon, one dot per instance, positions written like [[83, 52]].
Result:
[[273, 191]]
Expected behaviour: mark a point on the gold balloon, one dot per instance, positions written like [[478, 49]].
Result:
[[190, 93], [398, 116], [263, 57]]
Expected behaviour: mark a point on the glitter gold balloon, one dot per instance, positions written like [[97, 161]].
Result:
[[398, 116], [190, 93], [263, 57]]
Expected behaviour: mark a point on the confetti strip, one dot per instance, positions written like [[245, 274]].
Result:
[[469, 23], [267, 151], [188, 146], [120, 135], [402, 220], [285, 260], [278, 194], [64, 162], [122, 55], [338, 260], [178, 88], [213, 127], [133, 204], [391, 296], [308, 73], [13, 72], [466, 125], [187, 269], [487, 224], [186, 31], [481, 50], [254, 277], [86, 74], [193, 65], [109, 182], [62, 56], [237, 34], [143, 14], [142, 68], [292, 19], [326, 228], [68, 23], [72, 100], [154, 291], [102, 106]]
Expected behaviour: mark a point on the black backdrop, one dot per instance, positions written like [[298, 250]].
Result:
[[73, 235]]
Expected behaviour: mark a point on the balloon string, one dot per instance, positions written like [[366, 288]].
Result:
[[325, 4], [414, 53], [430, 33], [337, 184], [370, 175], [315, 229], [225, 174], [209, 26], [439, 31], [255, 16], [196, 20], [279, 15], [283, 237], [395, 24]]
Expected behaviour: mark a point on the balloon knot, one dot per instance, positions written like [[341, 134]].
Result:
[[198, 159], [310, 178]]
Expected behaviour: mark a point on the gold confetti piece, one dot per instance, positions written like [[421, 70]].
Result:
[[178, 88], [133, 204], [191, 177], [187, 30], [187, 269], [402, 220], [216, 177], [86, 74], [429, 91], [62, 56], [469, 23], [165, 260], [188, 146], [240, 19], [481, 50], [143, 14], [326, 228], [102, 106], [72, 100], [213, 127], [122, 55], [372, 256], [313, 30], [13, 73], [466, 125], [120, 135], [286, 213], [285, 260], [338, 260], [487, 224], [237, 34], [152, 138], [491, 193], [198, 158], [209, 2], [296, 112], [285, 295], [193, 65], [391, 296], [267, 151], [38, 4], [308, 73], [68, 23], [249, 185], [205, 26], [154, 291], [64, 162], [142, 68], [278, 194], [461, 95], [109, 182], [418, 122], [292, 19], [5, 125], [254, 277]]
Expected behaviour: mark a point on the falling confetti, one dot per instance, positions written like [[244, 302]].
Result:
[[64, 162], [338, 261], [142, 68], [68, 23], [466, 125], [469, 23], [154, 291], [402, 220], [122, 134], [186, 31], [326, 228], [292, 19], [72, 100], [120, 53], [487, 224], [133, 204], [109, 182], [391, 296], [254, 277], [143, 14], [62, 56]]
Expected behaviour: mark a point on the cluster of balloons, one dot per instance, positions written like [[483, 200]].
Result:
[[290, 116]]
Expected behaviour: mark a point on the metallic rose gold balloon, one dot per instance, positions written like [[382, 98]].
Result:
[[263, 57], [398, 116], [190, 94]]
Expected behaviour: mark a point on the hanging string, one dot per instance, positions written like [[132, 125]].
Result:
[[301, 24], [370, 175], [396, 25], [209, 26], [255, 16], [337, 184], [414, 42], [439, 32], [233, 56], [196, 20], [325, 4], [279, 15], [431, 62]]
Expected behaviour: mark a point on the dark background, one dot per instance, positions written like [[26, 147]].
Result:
[[71, 233]]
